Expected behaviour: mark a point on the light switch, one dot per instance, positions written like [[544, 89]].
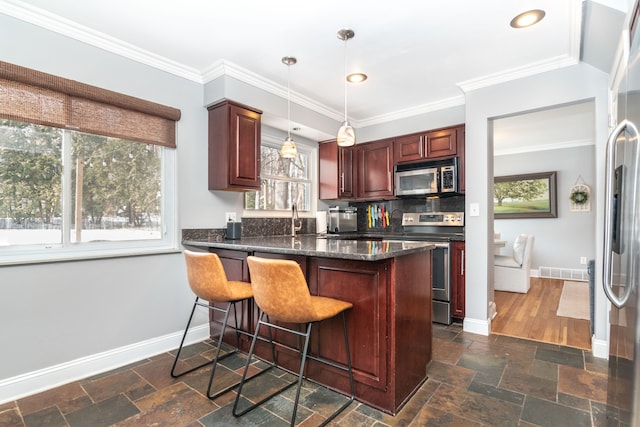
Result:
[[474, 209]]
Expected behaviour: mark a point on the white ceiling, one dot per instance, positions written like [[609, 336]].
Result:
[[420, 56]]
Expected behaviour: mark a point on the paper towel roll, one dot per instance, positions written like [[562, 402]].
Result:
[[321, 222]]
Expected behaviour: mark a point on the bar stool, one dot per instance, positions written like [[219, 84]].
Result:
[[281, 293], [207, 279]]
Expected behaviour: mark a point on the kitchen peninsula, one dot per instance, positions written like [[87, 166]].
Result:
[[389, 284]]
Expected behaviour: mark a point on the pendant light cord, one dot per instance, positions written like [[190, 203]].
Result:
[[345, 79], [289, 100]]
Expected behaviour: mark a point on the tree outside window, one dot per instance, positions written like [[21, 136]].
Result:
[[284, 182]]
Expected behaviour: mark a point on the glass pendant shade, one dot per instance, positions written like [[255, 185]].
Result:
[[289, 149], [346, 135]]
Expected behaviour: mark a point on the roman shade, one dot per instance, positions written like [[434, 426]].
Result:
[[35, 97]]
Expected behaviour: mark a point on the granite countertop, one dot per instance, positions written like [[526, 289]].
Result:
[[318, 246]]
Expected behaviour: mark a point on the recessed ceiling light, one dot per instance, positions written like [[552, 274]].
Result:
[[356, 77], [527, 19]]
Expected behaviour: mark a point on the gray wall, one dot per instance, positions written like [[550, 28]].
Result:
[[60, 313], [561, 241], [571, 84]]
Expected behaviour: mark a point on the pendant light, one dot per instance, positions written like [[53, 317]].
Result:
[[346, 135], [289, 149]]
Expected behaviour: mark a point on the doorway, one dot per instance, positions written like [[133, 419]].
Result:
[[558, 139]]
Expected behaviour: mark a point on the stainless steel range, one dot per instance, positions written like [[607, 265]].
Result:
[[441, 228]]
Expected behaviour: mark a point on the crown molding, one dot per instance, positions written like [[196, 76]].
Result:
[[518, 73], [55, 23], [411, 112], [65, 27], [544, 147], [227, 68]]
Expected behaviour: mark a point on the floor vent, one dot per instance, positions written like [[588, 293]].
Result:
[[563, 273]]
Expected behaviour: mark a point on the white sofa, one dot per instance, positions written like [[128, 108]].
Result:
[[512, 272]]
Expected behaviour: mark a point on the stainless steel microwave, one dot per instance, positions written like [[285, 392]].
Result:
[[436, 177]]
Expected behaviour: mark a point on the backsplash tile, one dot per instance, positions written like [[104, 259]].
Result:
[[252, 227]]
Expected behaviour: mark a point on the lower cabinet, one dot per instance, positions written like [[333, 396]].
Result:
[[389, 325], [458, 280], [366, 286]]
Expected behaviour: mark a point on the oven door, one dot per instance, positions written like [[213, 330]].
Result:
[[416, 182]]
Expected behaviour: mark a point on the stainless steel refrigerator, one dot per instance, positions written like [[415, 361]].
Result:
[[621, 269]]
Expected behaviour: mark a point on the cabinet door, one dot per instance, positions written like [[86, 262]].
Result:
[[375, 170], [457, 280], [346, 168], [244, 148], [366, 286], [408, 148], [441, 143], [335, 171], [234, 147]]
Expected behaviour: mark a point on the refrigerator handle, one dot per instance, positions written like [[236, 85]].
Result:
[[607, 279]]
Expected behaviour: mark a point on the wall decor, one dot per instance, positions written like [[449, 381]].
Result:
[[531, 195], [580, 197]]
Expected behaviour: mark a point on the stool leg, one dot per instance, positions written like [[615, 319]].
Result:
[[349, 371], [184, 336], [301, 374], [216, 358], [244, 379]]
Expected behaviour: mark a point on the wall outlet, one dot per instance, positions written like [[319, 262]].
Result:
[[583, 260], [230, 216]]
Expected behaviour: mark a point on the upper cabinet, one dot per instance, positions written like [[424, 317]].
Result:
[[234, 147], [336, 171], [365, 172], [429, 145], [375, 170]]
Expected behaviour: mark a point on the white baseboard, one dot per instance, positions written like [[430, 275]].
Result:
[[44, 379], [476, 326], [599, 348]]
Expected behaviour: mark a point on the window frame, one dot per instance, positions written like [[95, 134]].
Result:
[[36, 97], [66, 251], [311, 151]]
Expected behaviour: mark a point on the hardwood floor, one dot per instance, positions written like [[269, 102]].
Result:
[[533, 316]]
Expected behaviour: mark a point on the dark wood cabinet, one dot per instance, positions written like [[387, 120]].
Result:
[[409, 148], [336, 171], [365, 172], [433, 144], [389, 325], [375, 163], [366, 286], [458, 280], [234, 147], [441, 143]]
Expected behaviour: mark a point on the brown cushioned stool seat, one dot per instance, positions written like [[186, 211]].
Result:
[[281, 293]]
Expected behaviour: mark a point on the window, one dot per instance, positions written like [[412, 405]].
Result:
[[284, 181], [105, 190], [84, 172]]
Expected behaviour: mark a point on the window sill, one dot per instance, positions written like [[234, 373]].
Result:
[[45, 256]]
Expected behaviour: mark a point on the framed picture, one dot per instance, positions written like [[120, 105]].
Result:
[[531, 195]]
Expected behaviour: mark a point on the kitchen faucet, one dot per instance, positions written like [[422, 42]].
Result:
[[294, 217]]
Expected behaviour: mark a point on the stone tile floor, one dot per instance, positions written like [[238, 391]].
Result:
[[473, 380]]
